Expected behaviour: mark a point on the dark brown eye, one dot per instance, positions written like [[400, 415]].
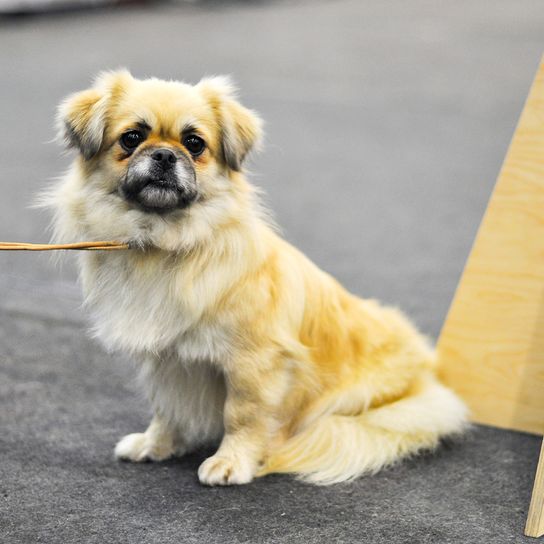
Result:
[[194, 144], [132, 139]]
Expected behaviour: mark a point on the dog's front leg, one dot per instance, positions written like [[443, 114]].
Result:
[[156, 444], [255, 390]]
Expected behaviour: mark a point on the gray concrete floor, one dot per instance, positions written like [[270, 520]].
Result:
[[387, 122]]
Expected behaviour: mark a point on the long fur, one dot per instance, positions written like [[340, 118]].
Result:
[[240, 338]]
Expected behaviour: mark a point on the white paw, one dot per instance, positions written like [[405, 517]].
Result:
[[140, 447], [220, 470]]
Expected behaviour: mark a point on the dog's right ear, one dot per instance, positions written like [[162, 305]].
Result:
[[82, 116], [81, 120]]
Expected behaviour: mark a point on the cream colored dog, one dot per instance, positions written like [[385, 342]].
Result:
[[240, 338]]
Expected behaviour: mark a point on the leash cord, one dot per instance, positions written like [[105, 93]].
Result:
[[88, 246]]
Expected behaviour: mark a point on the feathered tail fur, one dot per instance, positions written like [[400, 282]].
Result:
[[337, 448]]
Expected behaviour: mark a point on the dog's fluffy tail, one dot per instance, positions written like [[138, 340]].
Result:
[[336, 448]]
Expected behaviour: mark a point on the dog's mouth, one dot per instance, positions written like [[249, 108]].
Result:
[[156, 191], [159, 195]]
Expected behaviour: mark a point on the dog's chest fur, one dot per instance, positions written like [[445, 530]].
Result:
[[138, 308], [150, 307]]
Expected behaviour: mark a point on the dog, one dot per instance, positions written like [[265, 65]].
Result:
[[240, 340]]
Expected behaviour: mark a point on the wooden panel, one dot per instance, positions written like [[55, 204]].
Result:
[[492, 344], [535, 519]]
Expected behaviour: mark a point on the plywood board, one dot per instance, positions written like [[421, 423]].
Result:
[[491, 348], [535, 519]]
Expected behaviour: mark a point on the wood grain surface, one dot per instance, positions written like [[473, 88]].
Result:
[[535, 519], [491, 347]]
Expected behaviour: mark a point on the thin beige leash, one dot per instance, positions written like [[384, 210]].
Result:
[[88, 246]]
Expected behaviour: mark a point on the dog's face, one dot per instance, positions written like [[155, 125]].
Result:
[[157, 149]]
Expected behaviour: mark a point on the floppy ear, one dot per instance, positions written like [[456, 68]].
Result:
[[81, 119], [82, 116], [240, 128]]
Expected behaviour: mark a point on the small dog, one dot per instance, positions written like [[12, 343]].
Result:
[[239, 338]]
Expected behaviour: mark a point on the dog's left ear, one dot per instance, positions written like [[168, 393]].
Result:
[[240, 128], [82, 117]]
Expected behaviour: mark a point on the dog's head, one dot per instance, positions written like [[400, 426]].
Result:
[[155, 148]]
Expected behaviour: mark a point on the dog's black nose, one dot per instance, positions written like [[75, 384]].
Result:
[[165, 157]]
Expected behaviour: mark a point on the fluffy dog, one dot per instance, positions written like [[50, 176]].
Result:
[[239, 338]]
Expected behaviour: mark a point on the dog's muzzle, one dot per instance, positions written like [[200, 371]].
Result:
[[160, 180]]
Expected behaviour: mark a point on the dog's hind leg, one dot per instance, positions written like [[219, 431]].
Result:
[[337, 448]]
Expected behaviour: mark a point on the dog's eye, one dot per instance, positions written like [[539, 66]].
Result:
[[194, 144], [132, 139]]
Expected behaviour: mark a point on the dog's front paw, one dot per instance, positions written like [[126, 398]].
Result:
[[140, 447], [222, 470]]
